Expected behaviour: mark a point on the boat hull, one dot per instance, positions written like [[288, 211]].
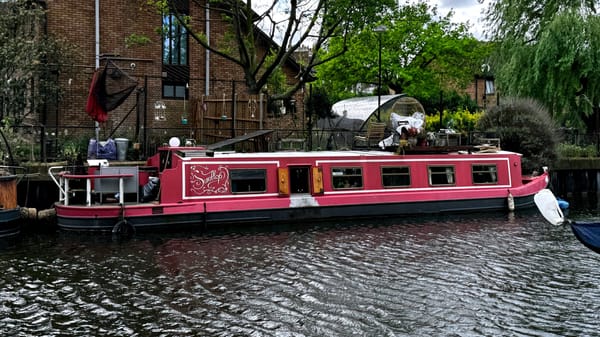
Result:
[[178, 216], [10, 222], [587, 233]]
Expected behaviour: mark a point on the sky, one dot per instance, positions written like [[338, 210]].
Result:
[[464, 11]]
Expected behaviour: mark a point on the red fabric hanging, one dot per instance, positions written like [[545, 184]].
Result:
[[108, 92], [93, 106]]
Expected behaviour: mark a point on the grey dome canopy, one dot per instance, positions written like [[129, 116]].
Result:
[[360, 107], [353, 113]]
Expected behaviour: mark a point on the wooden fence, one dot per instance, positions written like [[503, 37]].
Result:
[[223, 117]]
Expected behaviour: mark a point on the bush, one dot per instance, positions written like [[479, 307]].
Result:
[[71, 149], [461, 121], [565, 150], [22, 145], [524, 126]]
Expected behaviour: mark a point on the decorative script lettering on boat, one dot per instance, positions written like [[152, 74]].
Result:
[[205, 180]]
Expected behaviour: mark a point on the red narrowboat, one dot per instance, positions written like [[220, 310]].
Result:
[[192, 186]]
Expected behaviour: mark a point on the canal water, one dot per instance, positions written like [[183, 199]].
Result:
[[489, 274]]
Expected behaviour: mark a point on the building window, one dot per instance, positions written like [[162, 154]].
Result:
[[489, 87], [175, 68], [395, 176], [346, 177], [175, 42], [175, 91], [484, 174], [248, 180], [441, 175]]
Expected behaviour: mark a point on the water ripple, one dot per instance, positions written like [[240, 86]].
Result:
[[483, 275]]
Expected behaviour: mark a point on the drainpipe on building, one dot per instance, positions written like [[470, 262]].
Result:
[[97, 28], [207, 60]]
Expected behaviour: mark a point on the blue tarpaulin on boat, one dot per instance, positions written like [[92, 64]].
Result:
[[588, 233], [102, 150]]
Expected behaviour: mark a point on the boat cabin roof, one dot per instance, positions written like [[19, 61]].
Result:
[[187, 154]]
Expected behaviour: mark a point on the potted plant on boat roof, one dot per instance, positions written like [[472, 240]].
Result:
[[411, 135], [412, 132]]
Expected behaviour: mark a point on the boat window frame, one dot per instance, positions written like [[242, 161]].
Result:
[[450, 181], [347, 177], [407, 174], [233, 181], [493, 174]]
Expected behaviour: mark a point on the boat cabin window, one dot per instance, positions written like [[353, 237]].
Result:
[[484, 174], [346, 177], [248, 180], [395, 176], [441, 175]]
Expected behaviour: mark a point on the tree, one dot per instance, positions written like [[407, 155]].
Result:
[[550, 50], [29, 60], [421, 54], [526, 20], [292, 23]]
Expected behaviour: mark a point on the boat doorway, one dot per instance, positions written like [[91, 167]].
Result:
[[299, 179]]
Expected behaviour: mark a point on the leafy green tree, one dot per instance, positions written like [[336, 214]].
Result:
[[452, 101], [421, 54], [293, 24], [550, 50], [318, 103], [29, 60]]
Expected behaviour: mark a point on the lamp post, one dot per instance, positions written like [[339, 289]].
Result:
[[379, 30]]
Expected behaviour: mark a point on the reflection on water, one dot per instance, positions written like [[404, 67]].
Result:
[[478, 275]]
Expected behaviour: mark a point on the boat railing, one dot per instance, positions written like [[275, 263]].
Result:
[[64, 178], [53, 172]]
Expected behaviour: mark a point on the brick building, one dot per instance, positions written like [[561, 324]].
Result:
[[483, 91], [176, 71]]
